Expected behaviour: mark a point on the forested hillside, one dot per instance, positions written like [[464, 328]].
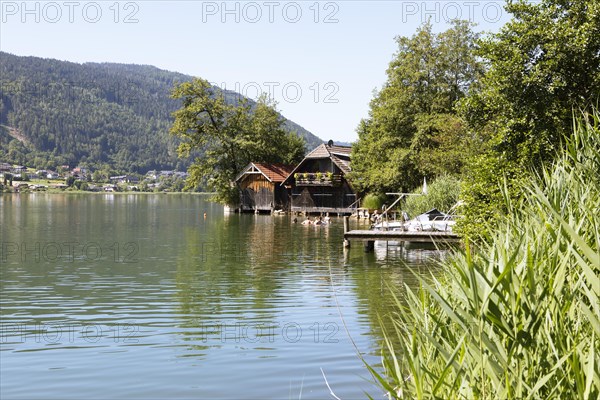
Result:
[[104, 115]]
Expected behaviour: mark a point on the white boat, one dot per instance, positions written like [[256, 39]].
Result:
[[432, 220], [389, 226]]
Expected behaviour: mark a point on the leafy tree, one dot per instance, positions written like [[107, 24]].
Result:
[[178, 185], [8, 179], [412, 122], [70, 180], [228, 136], [441, 144], [81, 185], [544, 65]]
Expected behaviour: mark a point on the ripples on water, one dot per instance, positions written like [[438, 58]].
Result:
[[151, 300]]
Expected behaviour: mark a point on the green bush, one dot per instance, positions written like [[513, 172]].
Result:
[[442, 193], [374, 201], [520, 316], [490, 183], [81, 185]]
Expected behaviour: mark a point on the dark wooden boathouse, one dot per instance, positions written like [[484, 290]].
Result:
[[261, 189], [318, 184]]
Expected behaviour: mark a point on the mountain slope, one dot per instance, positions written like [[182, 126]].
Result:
[[107, 115]]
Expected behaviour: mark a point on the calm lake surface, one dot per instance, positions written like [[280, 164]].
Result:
[[139, 296]]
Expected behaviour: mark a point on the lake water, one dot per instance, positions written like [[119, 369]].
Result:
[[140, 296]]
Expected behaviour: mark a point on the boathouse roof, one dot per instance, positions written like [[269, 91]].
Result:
[[275, 173], [340, 155], [325, 151]]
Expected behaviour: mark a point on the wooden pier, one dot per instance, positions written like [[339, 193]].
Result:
[[370, 236]]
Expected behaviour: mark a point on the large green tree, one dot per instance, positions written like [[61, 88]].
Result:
[[543, 66], [412, 129], [229, 136]]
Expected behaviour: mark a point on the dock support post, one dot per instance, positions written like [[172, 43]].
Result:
[[346, 229], [369, 246]]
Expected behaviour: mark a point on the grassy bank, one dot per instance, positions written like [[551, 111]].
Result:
[[520, 316]]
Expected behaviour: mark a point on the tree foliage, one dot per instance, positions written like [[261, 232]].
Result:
[[229, 136], [413, 129], [374, 201], [543, 66]]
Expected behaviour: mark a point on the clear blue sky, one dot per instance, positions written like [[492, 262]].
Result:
[[321, 61]]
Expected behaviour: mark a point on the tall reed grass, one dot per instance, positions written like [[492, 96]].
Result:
[[518, 318]]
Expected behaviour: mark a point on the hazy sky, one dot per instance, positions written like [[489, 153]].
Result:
[[320, 61]]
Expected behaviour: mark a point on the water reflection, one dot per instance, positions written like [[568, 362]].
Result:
[[227, 306]]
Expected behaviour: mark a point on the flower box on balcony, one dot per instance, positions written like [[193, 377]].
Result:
[[317, 179]]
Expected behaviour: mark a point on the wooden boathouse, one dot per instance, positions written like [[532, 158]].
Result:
[[261, 189], [318, 183]]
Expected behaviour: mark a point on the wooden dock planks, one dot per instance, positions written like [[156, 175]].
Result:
[[412, 236]]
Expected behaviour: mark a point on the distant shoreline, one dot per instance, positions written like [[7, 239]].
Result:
[[59, 191]]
